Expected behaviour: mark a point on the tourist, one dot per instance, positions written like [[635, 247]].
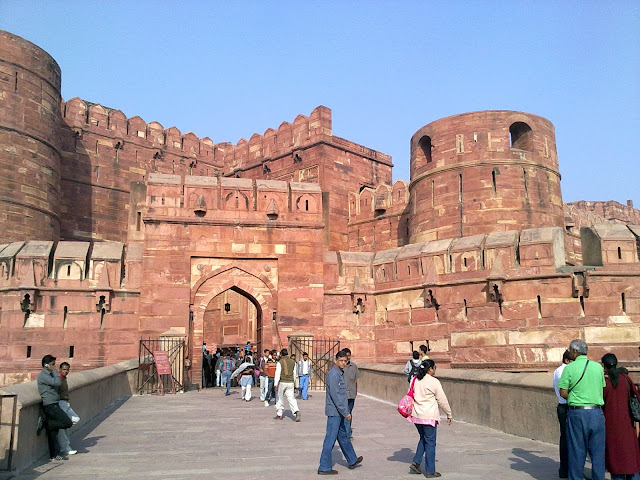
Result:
[[270, 370], [582, 384], [264, 379], [424, 352], [206, 369], [217, 369], [428, 400], [304, 375], [351, 375], [622, 455], [337, 411], [228, 365], [247, 348], [246, 381], [283, 383], [49, 382], [411, 368], [63, 392], [561, 410]]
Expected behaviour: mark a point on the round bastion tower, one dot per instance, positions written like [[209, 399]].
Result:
[[481, 172], [30, 157]]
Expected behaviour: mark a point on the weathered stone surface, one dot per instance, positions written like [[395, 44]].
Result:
[[297, 230]]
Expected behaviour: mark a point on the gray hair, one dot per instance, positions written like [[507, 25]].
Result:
[[579, 346]]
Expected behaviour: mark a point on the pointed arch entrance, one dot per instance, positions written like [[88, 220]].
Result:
[[252, 301]]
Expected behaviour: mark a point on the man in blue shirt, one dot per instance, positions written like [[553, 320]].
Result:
[[337, 411]]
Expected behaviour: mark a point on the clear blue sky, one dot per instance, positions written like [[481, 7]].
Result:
[[229, 69]]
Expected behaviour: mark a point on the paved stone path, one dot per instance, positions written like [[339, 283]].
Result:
[[205, 435]]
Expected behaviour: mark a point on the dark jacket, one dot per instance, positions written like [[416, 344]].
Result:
[[48, 385], [336, 397]]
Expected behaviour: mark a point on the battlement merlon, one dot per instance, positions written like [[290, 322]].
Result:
[[83, 116]]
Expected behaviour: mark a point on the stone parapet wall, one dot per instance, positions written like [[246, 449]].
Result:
[[522, 404], [91, 392]]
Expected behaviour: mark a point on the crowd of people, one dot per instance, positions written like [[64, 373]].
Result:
[[594, 416], [593, 405]]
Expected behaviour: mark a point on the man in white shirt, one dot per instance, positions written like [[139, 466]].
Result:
[[304, 375], [283, 384], [562, 411]]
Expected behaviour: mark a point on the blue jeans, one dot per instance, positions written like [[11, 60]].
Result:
[[347, 423], [270, 391], [336, 431], [304, 386], [226, 379], [585, 433], [625, 476], [426, 447]]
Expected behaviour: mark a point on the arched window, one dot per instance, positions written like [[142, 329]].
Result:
[[426, 146], [521, 136]]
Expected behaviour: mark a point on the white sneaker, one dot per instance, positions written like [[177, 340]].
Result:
[[72, 452], [266, 403], [75, 419]]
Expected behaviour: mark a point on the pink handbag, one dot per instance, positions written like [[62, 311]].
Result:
[[405, 406]]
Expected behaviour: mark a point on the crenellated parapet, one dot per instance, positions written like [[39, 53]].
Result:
[[583, 212], [83, 117]]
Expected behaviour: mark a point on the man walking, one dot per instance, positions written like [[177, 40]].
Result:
[[227, 368], [284, 384], [270, 368], [562, 409], [337, 411], [581, 384], [351, 375], [303, 368], [63, 391], [264, 379], [48, 384]]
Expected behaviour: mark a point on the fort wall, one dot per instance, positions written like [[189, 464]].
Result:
[[30, 133]]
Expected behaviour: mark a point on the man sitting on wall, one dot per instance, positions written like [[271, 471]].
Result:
[[48, 384]]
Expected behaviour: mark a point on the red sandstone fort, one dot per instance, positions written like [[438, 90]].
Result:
[[113, 229]]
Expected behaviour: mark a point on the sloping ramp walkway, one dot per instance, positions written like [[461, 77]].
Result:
[[205, 435]]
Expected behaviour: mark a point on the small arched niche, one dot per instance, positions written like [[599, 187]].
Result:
[[521, 136], [425, 148]]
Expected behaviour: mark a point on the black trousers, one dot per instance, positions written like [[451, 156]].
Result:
[[56, 419], [563, 410]]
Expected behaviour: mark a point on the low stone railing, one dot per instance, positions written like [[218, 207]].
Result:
[[522, 404], [90, 392]]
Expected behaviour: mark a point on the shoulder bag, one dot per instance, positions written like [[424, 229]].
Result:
[[405, 406], [634, 404]]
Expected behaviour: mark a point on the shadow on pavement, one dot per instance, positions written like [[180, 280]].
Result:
[[539, 467], [404, 455], [79, 440]]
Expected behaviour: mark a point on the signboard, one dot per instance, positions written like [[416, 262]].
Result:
[[161, 358]]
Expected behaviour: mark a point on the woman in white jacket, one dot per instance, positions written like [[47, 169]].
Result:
[[428, 400]]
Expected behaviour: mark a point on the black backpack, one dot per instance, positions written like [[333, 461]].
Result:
[[413, 372]]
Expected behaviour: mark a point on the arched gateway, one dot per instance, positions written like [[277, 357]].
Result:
[[250, 300]]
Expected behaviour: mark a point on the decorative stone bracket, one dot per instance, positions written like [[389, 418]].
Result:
[[494, 289], [430, 299], [103, 300], [28, 302], [579, 285], [358, 305]]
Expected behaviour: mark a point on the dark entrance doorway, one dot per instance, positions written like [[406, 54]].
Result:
[[231, 319]]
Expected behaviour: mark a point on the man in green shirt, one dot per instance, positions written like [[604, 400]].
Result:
[[582, 384]]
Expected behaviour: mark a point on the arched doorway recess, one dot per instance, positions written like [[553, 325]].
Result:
[[238, 281]]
